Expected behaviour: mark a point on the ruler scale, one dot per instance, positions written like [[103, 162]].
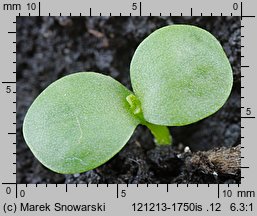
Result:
[[130, 199]]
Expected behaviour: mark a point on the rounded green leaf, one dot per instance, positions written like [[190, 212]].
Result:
[[79, 122], [180, 74]]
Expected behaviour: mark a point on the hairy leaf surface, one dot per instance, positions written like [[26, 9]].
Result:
[[79, 122], [181, 75]]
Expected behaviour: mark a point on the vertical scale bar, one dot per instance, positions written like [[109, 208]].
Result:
[[15, 163], [243, 109], [16, 190], [39, 12], [241, 11], [140, 8], [241, 16], [117, 191]]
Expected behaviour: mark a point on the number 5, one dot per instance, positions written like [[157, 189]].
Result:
[[248, 111], [134, 6], [8, 89]]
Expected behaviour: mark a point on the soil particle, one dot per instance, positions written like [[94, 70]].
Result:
[[164, 161], [214, 165]]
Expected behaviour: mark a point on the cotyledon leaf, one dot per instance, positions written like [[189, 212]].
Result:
[[79, 122], [180, 74]]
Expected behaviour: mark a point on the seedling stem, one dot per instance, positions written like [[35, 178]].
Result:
[[161, 133]]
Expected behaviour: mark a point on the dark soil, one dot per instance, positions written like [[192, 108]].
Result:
[[51, 47]]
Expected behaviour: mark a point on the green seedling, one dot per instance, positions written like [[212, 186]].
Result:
[[180, 75]]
